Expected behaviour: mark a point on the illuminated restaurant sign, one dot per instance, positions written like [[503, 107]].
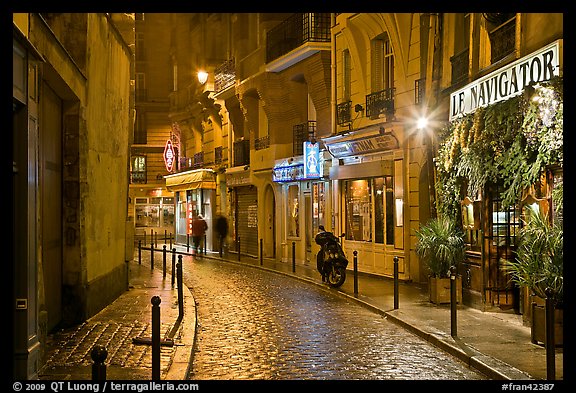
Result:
[[507, 81], [169, 156]]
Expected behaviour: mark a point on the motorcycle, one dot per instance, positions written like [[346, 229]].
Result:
[[331, 261]]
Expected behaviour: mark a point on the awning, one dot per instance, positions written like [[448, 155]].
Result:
[[191, 180]]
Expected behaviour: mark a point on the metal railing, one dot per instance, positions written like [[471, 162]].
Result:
[[380, 102], [344, 112], [460, 66], [503, 40], [262, 143], [301, 133], [225, 75], [295, 31]]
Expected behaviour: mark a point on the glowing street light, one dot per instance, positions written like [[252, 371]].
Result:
[[202, 77], [422, 123]]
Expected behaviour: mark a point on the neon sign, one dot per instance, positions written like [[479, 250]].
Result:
[[169, 156]]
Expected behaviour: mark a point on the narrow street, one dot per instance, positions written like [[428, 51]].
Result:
[[254, 324]]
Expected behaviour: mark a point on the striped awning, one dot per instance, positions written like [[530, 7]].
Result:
[[191, 180]]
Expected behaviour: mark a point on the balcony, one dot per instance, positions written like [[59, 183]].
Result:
[[344, 113], [503, 40], [380, 102], [224, 75], [301, 133], [299, 29], [262, 143]]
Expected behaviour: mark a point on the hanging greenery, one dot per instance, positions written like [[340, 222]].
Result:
[[511, 141]]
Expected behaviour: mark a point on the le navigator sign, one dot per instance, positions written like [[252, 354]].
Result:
[[507, 81]]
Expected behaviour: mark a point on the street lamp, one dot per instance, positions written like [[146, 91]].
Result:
[[202, 77]]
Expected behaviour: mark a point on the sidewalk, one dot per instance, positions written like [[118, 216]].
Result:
[[495, 343]]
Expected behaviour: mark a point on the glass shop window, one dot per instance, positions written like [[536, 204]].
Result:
[[505, 222], [358, 210], [318, 205], [293, 210], [471, 223]]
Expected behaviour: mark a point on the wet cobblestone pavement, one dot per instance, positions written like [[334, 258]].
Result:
[[254, 324]]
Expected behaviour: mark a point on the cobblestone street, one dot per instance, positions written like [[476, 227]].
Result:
[[254, 324]]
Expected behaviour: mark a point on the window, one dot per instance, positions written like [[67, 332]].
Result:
[[346, 75], [293, 210], [318, 205], [138, 169], [382, 64]]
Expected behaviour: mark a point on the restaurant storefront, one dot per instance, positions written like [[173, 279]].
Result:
[[194, 193], [368, 183], [500, 154], [306, 202]]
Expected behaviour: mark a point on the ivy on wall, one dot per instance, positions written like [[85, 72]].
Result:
[[510, 142]]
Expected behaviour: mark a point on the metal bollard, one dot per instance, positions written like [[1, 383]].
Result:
[[187, 242], [355, 273], [164, 261], [453, 301], [261, 253], [293, 257], [152, 255], [156, 239], [165, 235], [170, 240], [155, 337], [139, 252], [238, 245], [396, 259], [173, 266], [180, 288], [99, 355], [550, 339]]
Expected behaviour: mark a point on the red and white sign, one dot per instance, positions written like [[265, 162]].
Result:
[[169, 156]]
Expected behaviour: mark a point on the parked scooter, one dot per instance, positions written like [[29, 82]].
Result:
[[331, 260]]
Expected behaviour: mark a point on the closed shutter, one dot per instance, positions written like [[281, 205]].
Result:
[[247, 220]]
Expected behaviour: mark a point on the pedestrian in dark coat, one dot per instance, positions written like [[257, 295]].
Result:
[[199, 227], [222, 230]]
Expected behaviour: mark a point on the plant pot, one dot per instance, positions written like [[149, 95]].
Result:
[[538, 333], [439, 290]]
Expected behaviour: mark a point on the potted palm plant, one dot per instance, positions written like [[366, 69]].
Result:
[[538, 265], [441, 245]]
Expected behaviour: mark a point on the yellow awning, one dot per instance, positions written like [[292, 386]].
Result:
[[191, 180]]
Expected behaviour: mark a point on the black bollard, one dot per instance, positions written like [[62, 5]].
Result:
[[155, 337], [156, 239], [187, 242], [261, 253], [152, 255], [98, 355], [355, 273], [170, 240], [139, 252], [293, 257], [173, 265], [165, 235], [550, 339], [396, 282], [164, 261], [180, 288], [238, 245], [453, 301]]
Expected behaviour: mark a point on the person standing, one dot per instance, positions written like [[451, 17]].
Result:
[[222, 230], [199, 227]]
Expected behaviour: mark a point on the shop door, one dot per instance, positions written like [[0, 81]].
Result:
[[51, 197], [247, 220]]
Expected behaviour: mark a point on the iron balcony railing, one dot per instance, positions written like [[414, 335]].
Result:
[[295, 31], [344, 113], [225, 75], [301, 133], [380, 102], [262, 143], [503, 40]]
